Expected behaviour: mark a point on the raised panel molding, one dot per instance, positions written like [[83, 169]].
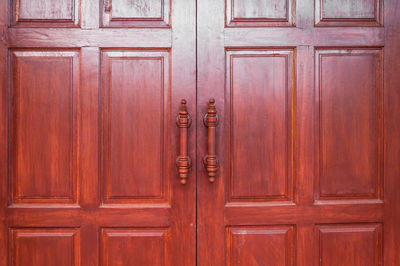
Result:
[[264, 13], [260, 99], [44, 246], [45, 13], [348, 244], [43, 137], [355, 13], [272, 245], [131, 246], [138, 13], [349, 101], [135, 104]]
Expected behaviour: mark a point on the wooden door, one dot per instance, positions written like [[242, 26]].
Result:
[[90, 91], [308, 136]]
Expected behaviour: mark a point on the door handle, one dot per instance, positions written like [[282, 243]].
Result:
[[107, 6], [210, 160], [183, 161]]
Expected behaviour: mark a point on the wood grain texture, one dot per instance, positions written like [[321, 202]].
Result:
[[349, 13], [350, 123], [135, 95], [338, 244], [4, 128], [43, 139], [261, 245], [45, 13], [170, 207], [355, 216], [45, 246], [391, 111], [353, 107], [260, 93], [264, 13], [139, 13], [132, 246]]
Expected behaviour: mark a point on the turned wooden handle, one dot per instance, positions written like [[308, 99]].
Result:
[[210, 160], [107, 6], [183, 162]]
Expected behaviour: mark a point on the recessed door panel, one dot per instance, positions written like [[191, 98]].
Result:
[[43, 119], [260, 93], [135, 111]]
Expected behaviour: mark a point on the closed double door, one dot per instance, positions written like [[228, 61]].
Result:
[[222, 132]]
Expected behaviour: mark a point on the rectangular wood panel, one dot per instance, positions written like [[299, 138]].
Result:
[[348, 13], [260, 13], [131, 247], [349, 244], [45, 13], [260, 92], [261, 245], [45, 246], [43, 142], [350, 123], [138, 13], [135, 112]]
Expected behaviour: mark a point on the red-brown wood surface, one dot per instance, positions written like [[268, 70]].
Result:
[[89, 94], [307, 140]]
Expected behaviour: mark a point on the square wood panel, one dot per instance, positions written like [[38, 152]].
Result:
[[260, 13], [137, 13], [45, 246], [349, 244], [272, 245], [354, 13], [134, 247], [45, 13]]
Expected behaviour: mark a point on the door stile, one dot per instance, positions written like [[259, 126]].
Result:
[[391, 130]]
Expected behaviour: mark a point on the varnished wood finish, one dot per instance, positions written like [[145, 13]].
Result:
[[210, 159], [307, 139], [183, 161], [88, 132]]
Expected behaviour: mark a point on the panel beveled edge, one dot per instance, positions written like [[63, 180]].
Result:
[[106, 233], [16, 21], [288, 21], [290, 58], [107, 55], [73, 55], [288, 231], [20, 232], [376, 228], [350, 198], [107, 20], [376, 21]]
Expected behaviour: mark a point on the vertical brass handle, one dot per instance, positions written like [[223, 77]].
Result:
[[183, 162], [210, 160]]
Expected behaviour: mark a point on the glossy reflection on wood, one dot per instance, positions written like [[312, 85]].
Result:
[[43, 135], [306, 137], [135, 95], [259, 84], [350, 123], [89, 94]]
